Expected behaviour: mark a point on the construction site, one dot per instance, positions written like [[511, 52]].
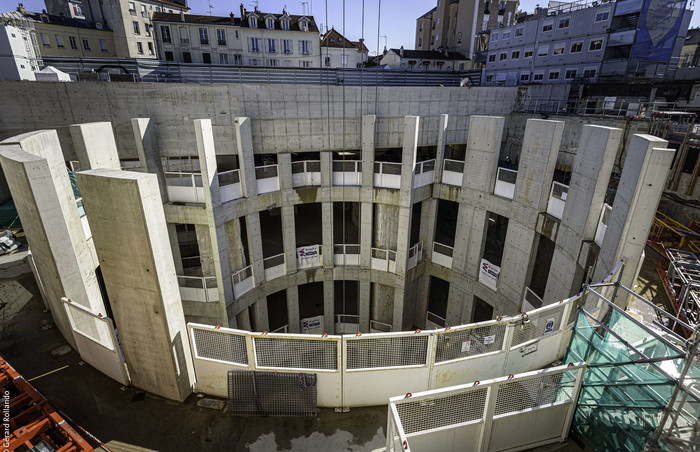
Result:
[[339, 268]]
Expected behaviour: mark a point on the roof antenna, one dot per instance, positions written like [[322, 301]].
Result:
[[210, 7]]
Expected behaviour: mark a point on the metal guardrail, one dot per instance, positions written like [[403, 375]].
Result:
[[229, 177]]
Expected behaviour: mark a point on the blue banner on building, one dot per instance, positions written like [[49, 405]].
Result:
[[658, 29]]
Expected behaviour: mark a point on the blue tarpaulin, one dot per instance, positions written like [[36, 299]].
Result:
[[659, 24]]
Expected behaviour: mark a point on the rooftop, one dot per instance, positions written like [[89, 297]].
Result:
[[332, 38], [430, 55]]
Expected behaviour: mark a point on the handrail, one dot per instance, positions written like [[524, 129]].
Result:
[[504, 174], [265, 171], [559, 190], [344, 247], [445, 249], [272, 261], [456, 166], [394, 168], [347, 166], [229, 177], [242, 274], [425, 166]]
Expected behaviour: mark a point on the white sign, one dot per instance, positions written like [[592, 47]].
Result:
[[466, 346], [488, 274], [312, 325], [489, 339], [309, 255], [549, 325], [530, 349], [609, 103]]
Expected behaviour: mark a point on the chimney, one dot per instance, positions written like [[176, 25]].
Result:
[[231, 15], [401, 52], [242, 11], [182, 16], [20, 8]]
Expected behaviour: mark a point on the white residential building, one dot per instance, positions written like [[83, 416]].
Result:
[[18, 56], [424, 60], [338, 51]]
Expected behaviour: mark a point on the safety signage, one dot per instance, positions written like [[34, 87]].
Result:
[[466, 346], [488, 274]]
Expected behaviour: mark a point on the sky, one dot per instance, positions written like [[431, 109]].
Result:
[[396, 28]]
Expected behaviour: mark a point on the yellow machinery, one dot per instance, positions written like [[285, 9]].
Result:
[[681, 234]]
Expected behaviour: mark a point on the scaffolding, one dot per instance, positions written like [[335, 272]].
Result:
[[681, 281]]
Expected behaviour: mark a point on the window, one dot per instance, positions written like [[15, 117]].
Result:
[[254, 45], [203, 36], [270, 23], [223, 58], [589, 73], [527, 54], [304, 26], [59, 42], [45, 40], [144, 12], [564, 23], [206, 58], [506, 35], [285, 24], [525, 77], [139, 47], [150, 48], [492, 58], [570, 74], [147, 29], [494, 37], [253, 22], [103, 45], [538, 76], [489, 78], [327, 61], [73, 44], [554, 75], [305, 63], [287, 46], [132, 8], [184, 36], [165, 33], [596, 44], [158, 10], [420, 42], [518, 31], [436, 38], [438, 21], [186, 57], [236, 34], [576, 47], [221, 37], [542, 51], [558, 50], [86, 45], [253, 62], [547, 26], [344, 60], [136, 28], [271, 46], [169, 56], [287, 63], [272, 62], [602, 16], [515, 55], [304, 47], [502, 56]]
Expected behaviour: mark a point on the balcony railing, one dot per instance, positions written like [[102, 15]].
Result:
[[306, 173], [275, 266], [267, 178], [242, 281], [347, 324], [198, 288], [384, 260], [375, 326], [184, 187], [557, 199], [433, 321], [204, 41], [346, 254], [387, 175], [230, 185], [184, 41], [602, 224], [531, 301], [442, 254], [505, 183], [282, 329], [424, 173], [222, 42], [452, 172], [347, 172], [415, 255]]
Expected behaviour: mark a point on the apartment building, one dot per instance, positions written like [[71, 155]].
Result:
[[338, 51], [453, 25], [424, 60], [19, 53], [255, 39], [584, 40]]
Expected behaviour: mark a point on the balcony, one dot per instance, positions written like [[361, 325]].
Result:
[[222, 42], [557, 199], [442, 255], [384, 260], [132, 12], [452, 172], [346, 254], [230, 185], [267, 178], [242, 281], [415, 255], [602, 224], [306, 173], [309, 256], [198, 288], [375, 326], [184, 187], [505, 183], [204, 42], [387, 175], [184, 41], [423, 173], [144, 14], [275, 266], [347, 172], [347, 324], [433, 321], [531, 301]]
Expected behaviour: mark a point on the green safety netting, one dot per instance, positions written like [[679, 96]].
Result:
[[74, 184], [620, 403]]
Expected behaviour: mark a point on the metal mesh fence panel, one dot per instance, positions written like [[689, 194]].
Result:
[[442, 411], [271, 394], [220, 346], [367, 353], [540, 323], [544, 389], [455, 343], [296, 353]]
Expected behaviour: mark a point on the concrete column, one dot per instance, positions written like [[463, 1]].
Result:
[[125, 207], [284, 171], [94, 143], [589, 181], [243, 320], [538, 159], [440, 153], [427, 233], [175, 248], [234, 240], [293, 309], [364, 301], [36, 175], [147, 148], [289, 239], [481, 159], [259, 314], [328, 306], [366, 233], [641, 185], [327, 234], [367, 193]]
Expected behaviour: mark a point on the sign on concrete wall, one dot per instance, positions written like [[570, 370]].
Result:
[[312, 325], [488, 274], [309, 255]]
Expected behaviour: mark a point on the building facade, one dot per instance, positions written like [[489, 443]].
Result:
[[59, 36], [453, 25], [254, 39], [339, 52], [18, 57], [424, 60]]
